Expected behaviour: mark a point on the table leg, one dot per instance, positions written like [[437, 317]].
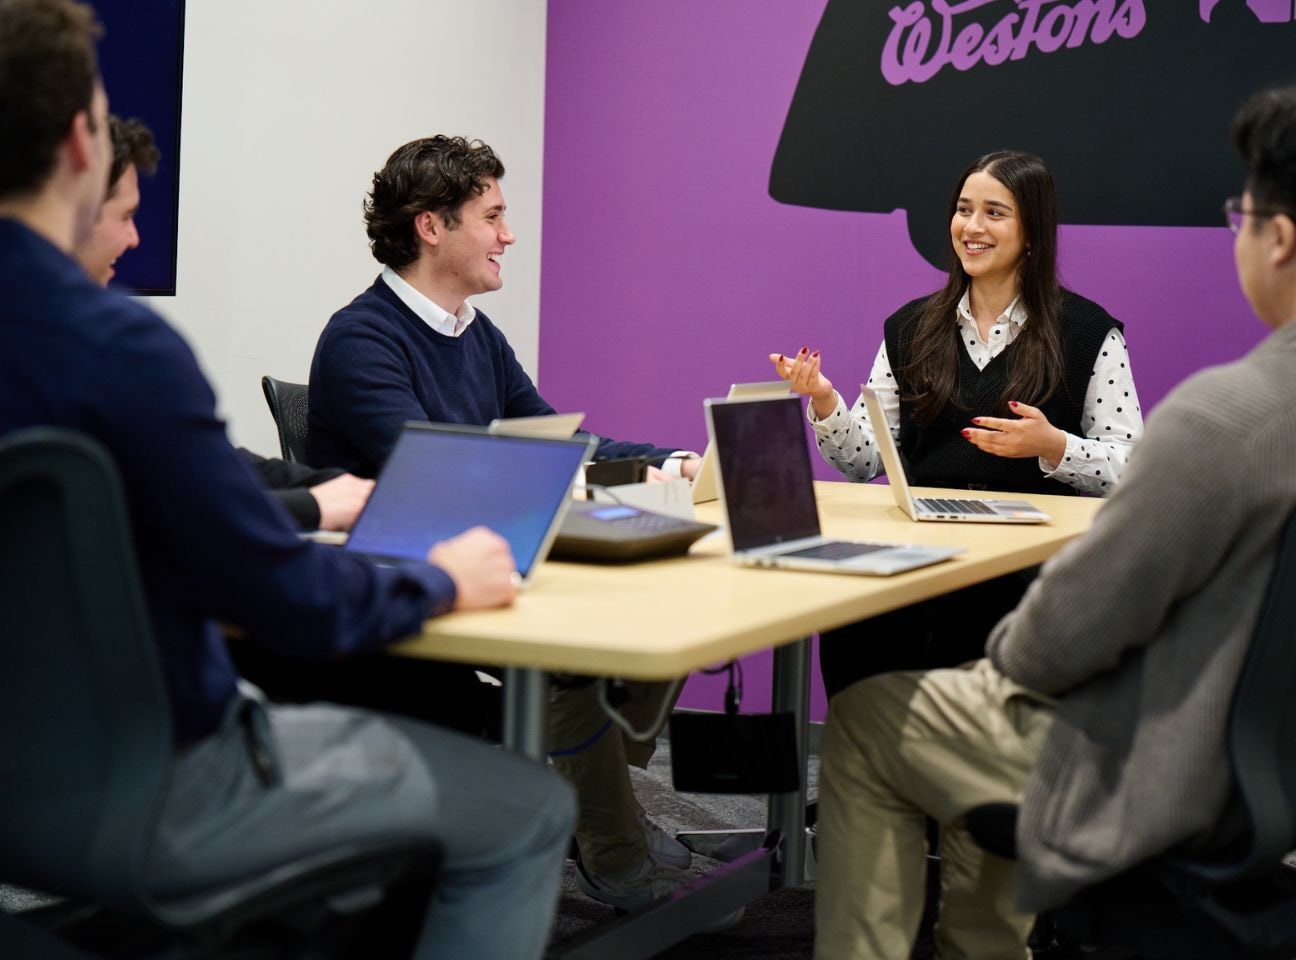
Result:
[[526, 712], [791, 694]]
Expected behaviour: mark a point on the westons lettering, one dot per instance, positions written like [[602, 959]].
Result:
[[1044, 25]]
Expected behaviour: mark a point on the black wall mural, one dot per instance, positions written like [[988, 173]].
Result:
[[1128, 101]]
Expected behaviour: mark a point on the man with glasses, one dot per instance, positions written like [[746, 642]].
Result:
[[1089, 715], [1236, 210]]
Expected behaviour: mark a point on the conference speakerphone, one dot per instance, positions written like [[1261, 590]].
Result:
[[614, 533]]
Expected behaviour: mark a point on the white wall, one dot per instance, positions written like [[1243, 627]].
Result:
[[289, 107]]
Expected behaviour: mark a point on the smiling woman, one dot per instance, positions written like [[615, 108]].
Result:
[[1003, 234], [987, 232], [1001, 380]]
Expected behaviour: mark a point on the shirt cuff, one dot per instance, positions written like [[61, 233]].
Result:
[[822, 426], [671, 466], [440, 588], [303, 506], [1071, 460]]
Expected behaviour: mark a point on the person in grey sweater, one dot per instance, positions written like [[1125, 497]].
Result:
[[1103, 704]]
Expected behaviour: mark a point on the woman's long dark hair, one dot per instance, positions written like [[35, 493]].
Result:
[[930, 375]]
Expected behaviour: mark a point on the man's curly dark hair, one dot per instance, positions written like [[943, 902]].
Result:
[[436, 175], [132, 144]]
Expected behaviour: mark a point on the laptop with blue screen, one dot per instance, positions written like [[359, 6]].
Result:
[[767, 488], [442, 479]]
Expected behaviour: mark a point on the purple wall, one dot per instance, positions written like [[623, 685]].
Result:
[[669, 273]]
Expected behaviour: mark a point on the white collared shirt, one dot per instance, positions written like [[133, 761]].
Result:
[[1111, 419], [442, 321], [1005, 330]]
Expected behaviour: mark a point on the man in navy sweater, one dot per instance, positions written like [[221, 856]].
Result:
[[412, 347], [252, 785]]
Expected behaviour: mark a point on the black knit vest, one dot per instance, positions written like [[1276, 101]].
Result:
[[937, 455]]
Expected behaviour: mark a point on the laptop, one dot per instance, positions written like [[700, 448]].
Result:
[[705, 487], [442, 479], [557, 426], [767, 490], [964, 509]]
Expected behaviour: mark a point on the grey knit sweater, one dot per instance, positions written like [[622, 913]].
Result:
[[1140, 628]]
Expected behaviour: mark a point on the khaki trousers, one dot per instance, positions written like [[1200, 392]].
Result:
[[593, 754], [898, 748]]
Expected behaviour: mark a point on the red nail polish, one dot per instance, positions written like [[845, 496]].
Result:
[[781, 357], [815, 354], [804, 350], [966, 433], [976, 420], [1012, 403]]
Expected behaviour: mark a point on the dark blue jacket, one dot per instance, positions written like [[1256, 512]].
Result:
[[212, 546]]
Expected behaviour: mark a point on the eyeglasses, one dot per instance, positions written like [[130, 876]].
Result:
[[1233, 213]]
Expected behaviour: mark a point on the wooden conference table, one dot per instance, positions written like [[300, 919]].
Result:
[[665, 619]]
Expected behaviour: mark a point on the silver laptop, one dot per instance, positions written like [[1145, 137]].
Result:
[[964, 509], [442, 479], [705, 487], [768, 494], [556, 426]]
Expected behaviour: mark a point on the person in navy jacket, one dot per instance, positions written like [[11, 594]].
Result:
[[253, 784]]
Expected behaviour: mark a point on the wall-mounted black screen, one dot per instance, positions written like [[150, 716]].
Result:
[[141, 58]]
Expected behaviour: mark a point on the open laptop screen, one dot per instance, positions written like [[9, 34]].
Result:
[[440, 480], [765, 471]]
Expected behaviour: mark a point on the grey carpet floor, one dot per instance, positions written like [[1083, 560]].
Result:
[[778, 926]]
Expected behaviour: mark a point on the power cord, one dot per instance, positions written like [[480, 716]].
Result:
[[618, 692], [733, 694], [591, 488]]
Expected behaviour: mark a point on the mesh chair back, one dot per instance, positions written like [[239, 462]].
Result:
[[1262, 724], [289, 406], [83, 711]]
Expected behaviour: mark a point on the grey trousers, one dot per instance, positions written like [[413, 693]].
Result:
[[608, 832], [503, 821]]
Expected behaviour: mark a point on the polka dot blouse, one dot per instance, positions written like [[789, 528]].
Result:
[[1093, 463]]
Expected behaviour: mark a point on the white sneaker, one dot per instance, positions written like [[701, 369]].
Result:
[[650, 882], [663, 849]]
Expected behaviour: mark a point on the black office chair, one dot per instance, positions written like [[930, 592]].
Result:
[[289, 405], [87, 739], [1237, 899]]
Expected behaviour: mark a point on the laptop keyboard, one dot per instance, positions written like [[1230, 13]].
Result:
[[941, 505], [838, 550]]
